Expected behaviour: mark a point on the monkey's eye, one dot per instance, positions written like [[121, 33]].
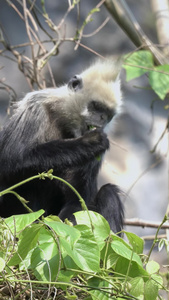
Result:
[[75, 83]]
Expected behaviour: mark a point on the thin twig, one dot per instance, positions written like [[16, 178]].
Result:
[[25, 10], [98, 29], [87, 20]]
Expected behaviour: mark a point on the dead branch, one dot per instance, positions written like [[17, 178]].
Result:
[[144, 223]]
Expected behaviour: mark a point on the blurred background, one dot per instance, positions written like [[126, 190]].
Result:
[[142, 175]]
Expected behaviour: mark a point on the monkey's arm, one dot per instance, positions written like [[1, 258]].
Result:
[[68, 153], [58, 154]]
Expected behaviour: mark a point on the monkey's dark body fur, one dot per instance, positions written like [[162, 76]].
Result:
[[35, 140]]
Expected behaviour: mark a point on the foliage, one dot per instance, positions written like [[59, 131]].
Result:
[[141, 62], [42, 257], [81, 260], [45, 256]]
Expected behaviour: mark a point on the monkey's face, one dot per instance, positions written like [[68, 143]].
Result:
[[94, 113], [95, 99], [89, 100]]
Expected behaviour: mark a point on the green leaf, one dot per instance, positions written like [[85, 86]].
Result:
[[111, 260], [135, 241], [97, 284], [137, 63], [159, 81], [151, 290], [87, 250], [45, 261], [125, 252], [128, 261], [78, 242], [101, 228], [124, 266], [152, 267], [158, 280], [69, 233], [137, 286], [52, 218], [27, 242], [17, 223]]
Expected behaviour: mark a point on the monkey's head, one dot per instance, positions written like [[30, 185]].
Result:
[[89, 100]]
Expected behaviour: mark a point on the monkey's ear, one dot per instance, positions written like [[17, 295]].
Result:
[[75, 83]]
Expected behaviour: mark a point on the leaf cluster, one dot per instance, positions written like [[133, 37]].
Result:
[[141, 62], [85, 261]]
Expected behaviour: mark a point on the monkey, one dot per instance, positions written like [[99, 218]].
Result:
[[63, 129]]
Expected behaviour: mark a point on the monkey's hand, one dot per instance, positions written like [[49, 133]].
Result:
[[60, 154], [97, 140]]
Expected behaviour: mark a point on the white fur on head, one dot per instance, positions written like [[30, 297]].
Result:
[[52, 111], [102, 82]]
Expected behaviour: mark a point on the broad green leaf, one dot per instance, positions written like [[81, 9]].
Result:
[[67, 253], [52, 218], [108, 256], [27, 242], [137, 64], [17, 223], [133, 269], [45, 236], [71, 234], [137, 286], [101, 228], [111, 260], [120, 240], [45, 261], [85, 252], [123, 251], [97, 284], [158, 280], [152, 267], [135, 241], [25, 264], [159, 81], [150, 290], [65, 276]]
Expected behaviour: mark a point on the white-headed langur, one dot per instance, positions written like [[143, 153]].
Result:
[[63, 129]]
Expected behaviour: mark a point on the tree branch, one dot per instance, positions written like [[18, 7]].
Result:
[[144, 223], [161, 13], [126, 20]]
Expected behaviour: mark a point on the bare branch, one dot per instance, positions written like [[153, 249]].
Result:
[[144, 223], [98, 29], [152, 237], [87, 20]]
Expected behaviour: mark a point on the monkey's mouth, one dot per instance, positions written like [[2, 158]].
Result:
[[91, 127]]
